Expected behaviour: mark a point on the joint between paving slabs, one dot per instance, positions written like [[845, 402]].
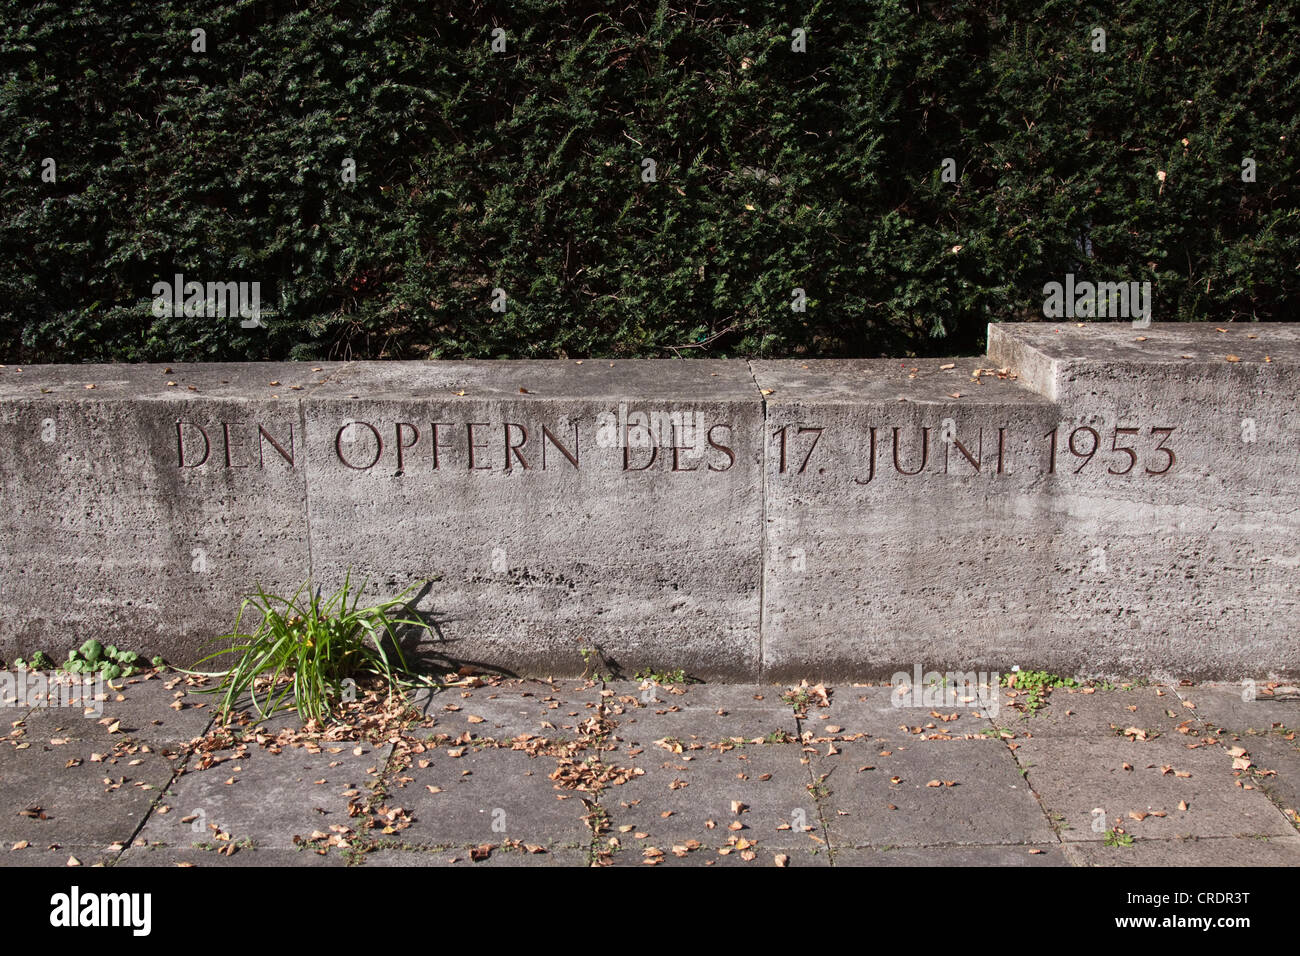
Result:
[[1259, 780], [1024, 769], [817, 786], [598, 816], [559, 749], [186, 752]]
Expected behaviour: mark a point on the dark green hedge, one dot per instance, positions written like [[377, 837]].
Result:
[[776, 169]]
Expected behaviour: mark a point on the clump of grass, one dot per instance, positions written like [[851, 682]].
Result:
[[317, 643]]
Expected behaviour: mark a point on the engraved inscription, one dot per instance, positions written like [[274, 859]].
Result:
[[239, 444], [913, 450]]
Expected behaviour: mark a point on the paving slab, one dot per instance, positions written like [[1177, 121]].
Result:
[[504, 711], [1086, 711], [699, 713], [148, 712], [680, 794], [1282, 758], [459, 856], [160, 711], [1215, 852], [60, 793], [170, 856], [759, 856], [245, 714], [1234, 707], [1047, 854], [37, 725], [1275, 767], [1075, 776], [272, 797], [890, 713], [65, 855], [487, 796], [979, 797]]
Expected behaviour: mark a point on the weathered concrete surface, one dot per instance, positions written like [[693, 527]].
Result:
[[108, 533], [544, 534], [1140, 786], [1156, 711], [487, 796], [700, 713], [692, 796], [954, 856], [1135, 521], [822, 795], [953, 792], [552, 709], [1103, 501], [1190, 572], [937, 548], [264, 798]]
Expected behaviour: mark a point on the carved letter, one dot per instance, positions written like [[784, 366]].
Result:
[[264, 436], [402, 446], [225, 432], [677, 447], [925, 452], [547, 436], [180, 445], [338, 446], [731, 455], [513, 450], [871, 459], [437, 443], [469, 431], [976, 460], [627, 448]]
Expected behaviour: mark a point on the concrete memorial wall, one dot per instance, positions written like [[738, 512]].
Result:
[[1100, 500]]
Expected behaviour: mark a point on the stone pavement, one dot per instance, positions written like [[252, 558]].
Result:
[[571, 772]]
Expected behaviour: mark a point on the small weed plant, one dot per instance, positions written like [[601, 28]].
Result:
[[677, 676], [1118, 838], [1037, 686], [91, 658]]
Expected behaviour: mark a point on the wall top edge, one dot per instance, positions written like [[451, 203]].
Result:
[[1160, 343]]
